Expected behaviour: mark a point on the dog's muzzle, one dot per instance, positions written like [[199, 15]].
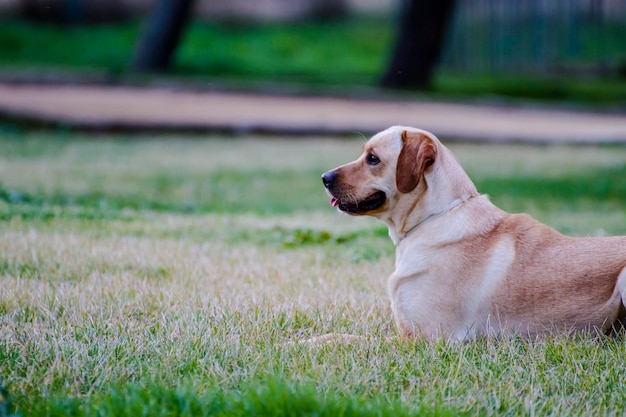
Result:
[[372, 202]]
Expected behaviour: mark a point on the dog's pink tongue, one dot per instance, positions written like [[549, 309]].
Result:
[[334, 202]]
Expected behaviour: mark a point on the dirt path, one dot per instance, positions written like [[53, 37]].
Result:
[[148, 109]]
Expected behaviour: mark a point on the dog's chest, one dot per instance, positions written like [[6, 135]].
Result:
[[448, 287]]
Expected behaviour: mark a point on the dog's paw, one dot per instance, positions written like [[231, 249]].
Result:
[[328, 339]]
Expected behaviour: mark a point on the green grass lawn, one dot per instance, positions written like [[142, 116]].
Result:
[[166, 276], [333, 56]]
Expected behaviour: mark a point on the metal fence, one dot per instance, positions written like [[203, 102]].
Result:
[[538, 36]]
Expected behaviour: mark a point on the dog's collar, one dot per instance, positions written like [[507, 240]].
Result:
[[454, 204]]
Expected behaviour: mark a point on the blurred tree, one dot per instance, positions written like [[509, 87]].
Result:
[[161, 35], [419, 40]]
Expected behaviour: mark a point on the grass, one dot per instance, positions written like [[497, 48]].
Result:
[[330, 56], [310, 52], [133, 283]]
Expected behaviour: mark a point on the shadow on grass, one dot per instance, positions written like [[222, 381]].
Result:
[[271, 397]]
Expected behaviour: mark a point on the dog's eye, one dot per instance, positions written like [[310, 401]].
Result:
[[372, 159]]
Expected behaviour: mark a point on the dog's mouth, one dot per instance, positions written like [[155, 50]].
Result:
[[370, 203]]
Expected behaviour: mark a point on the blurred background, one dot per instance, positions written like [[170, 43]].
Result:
[[572, 50]]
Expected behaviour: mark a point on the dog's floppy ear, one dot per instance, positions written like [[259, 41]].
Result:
[[417, 154]]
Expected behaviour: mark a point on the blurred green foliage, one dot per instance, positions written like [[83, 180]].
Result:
[[336, 55]]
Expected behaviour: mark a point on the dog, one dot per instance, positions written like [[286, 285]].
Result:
[[465, 268]]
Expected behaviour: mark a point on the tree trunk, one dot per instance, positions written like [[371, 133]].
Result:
[[161, 35], [420, 36]]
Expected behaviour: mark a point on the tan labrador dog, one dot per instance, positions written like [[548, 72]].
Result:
[[465, 268]]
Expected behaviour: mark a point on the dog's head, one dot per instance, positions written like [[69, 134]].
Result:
[[402, 170]]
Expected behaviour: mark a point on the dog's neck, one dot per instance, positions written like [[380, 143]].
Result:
[[397, 234]]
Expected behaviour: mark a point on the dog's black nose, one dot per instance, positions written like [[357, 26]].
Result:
[[328, 178]]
